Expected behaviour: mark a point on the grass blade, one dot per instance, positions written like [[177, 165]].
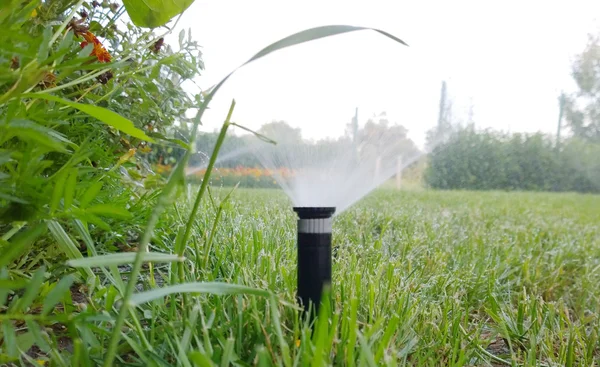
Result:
[[33, 289], [39, 338], [108, 210], [366, 352], [10, 345], [70, 188], [121, 258], [57, 293], [20, 244], [216, 288], [66, 244], [200, 360], [106, 116], [90, 194]]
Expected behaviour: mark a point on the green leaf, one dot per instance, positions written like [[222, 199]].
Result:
[[9, 335], [12, 198], [13, 284], [70, 188], [179, 142], [38, 337], [122, 258], [5, 157], [264, 359], [216, 288], [93, 219], [108, 210], [137, 348], [154, 13], [37, 137], [200, 360], [366, 352], [30, 131], [59, 189], [179, 244], [90, 194], [227, 357], [25, 341], [390, 330], [20, 244], [3, 291], [181, 37], [111, 294], [45, 45], [65, 243], [31, 75], [57, 293], [67, 41], [32, 290], [107, 116], [86, 51]]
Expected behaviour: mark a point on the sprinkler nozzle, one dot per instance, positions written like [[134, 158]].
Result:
[[314, 254]]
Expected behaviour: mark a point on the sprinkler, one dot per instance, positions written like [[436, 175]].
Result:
[[314, 254]]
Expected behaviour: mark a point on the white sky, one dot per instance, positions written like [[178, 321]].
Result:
[[511, 59]]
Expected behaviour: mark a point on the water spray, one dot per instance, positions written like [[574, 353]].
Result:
[[314, 254]]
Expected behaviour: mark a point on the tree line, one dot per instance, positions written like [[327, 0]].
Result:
[[378, 132], [491, 160]]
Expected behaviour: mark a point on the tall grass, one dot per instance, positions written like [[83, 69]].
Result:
[[420, 278]]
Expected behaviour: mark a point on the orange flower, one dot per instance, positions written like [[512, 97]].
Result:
[[99, 51]]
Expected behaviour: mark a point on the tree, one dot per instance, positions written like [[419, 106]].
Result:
[[281, 132], [380, 137], [582, 109], [444, 128]]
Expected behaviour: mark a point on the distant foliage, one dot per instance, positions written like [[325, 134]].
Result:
[[235, 150], [583, 106], [244, 176], [490, 160]]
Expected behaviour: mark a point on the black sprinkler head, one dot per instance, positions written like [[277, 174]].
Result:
[[307, 212], [314, 254]]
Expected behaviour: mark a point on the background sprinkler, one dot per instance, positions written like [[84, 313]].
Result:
[[314, 254]]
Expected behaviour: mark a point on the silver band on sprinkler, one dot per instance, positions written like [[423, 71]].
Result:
[[319, 225]]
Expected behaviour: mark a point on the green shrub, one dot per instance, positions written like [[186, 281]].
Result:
[[490, 160]]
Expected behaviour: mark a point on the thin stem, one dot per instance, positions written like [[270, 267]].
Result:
[[86, 91], [206, 178], [65, 23], [74, 82], [13, 230], [208, 246]]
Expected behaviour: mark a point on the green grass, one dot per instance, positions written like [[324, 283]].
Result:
[[423, 278]]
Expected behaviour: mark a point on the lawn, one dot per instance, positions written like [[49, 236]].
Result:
[[424, 278], [444, 278]]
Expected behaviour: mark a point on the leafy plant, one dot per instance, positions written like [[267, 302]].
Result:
[[489, 160]]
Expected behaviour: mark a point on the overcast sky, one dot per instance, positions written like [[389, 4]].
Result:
[[510, 60]]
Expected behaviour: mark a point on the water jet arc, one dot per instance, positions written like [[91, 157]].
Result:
[[314, 254]]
